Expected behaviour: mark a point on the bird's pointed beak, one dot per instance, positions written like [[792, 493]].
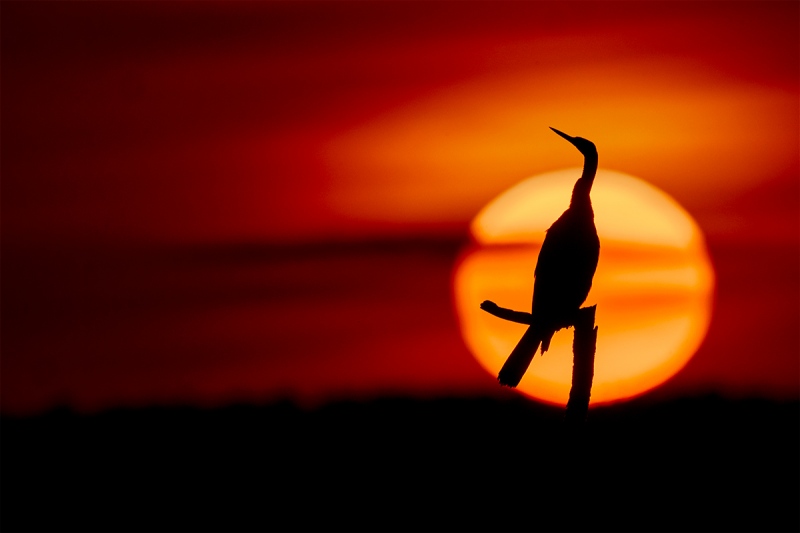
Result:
[[567, 137]]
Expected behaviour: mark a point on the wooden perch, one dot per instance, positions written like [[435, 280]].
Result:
[[584, 346]]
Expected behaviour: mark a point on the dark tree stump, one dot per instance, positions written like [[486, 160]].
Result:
[[584, 345]]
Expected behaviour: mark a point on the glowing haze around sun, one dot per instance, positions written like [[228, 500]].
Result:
[[653, 286]]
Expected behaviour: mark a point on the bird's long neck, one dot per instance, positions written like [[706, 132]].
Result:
[[583, 187]]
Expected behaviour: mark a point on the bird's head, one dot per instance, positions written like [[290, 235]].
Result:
[[584, 146]]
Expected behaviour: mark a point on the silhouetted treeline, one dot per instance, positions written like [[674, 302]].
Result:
[[702, 464]]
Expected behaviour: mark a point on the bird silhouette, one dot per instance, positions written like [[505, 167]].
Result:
[[563, 274]]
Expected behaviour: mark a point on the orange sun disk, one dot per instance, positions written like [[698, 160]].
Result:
[[653, 286]]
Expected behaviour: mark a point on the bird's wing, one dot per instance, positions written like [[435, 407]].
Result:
[[566, 265], [552, 274]]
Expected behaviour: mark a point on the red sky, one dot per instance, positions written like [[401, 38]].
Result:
[[210, 201]]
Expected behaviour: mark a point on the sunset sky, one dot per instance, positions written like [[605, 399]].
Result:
[[213, 202]]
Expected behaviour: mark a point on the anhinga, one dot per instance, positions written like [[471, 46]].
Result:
[[563, 275]]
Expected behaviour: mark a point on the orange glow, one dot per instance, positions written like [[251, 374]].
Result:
[[653, 285], [696, 133]]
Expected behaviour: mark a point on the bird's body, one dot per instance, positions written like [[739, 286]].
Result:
[[564, 270]]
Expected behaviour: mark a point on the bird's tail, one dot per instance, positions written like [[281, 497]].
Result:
[[520, 358]]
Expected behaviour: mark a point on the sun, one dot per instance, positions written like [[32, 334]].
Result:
[[653, 286]]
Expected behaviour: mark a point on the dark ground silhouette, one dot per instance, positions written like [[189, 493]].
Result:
[[701, 464]]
